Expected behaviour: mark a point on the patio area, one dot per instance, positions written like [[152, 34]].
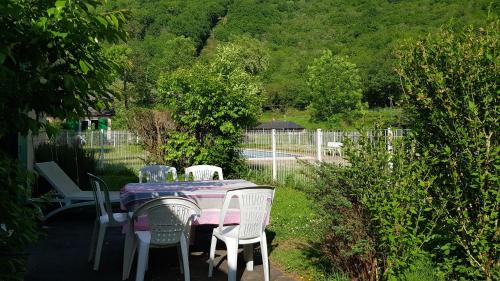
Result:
[[61, 254]]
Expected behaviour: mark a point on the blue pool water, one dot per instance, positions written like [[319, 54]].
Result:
[[251, 153]]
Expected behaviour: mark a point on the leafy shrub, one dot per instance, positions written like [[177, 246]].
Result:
[[377, 205], [18, 226], [212, 104], [151, 126], [75, 161], [335, 86], [452, 97]]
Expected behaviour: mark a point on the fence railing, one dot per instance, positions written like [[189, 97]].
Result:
[[114, 150], [276, 155], [283, 155]]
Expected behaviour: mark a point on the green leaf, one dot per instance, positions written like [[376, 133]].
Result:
[[83, 66], [102, 20], [60, 4]]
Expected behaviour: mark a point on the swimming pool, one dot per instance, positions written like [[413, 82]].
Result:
[[252, 153]]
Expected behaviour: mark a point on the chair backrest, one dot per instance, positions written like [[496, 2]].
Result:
[[157, 173], [203, 172], [255, 205], [169, 218], [334, 144], [101, 197], [57, 178]]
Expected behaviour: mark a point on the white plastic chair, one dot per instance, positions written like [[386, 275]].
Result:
[[105, 218], [157, 173], [255, 206], [203, 172], [170, 220], [334, 148]]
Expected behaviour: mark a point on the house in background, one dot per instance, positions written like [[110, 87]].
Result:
[[97, 120], [279, 125]]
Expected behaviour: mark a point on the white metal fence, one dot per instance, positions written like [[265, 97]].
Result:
[[275, 155], [281, 155], [114, 150]]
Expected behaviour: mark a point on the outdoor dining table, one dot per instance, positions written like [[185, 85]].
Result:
[[209, 195]]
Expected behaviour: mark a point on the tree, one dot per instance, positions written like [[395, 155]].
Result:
[[335, 86], [51, 64], [51, 60], [451, 93], [212, 104]]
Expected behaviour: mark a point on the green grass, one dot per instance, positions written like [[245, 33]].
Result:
[[297, 228], [389, 116]]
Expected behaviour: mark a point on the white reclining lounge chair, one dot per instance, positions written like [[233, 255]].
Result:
[[68, 194]]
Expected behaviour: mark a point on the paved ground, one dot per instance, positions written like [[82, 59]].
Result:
[[61, 255]]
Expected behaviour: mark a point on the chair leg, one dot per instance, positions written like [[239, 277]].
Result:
[[185, 257], [212, 256], [248, 253], [142, 257], [93, 240], [100, 241], [265, 259], [128, 252], [232, 259], [179, 256]]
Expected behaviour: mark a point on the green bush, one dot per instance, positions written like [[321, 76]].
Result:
[[452, 97], [377, 205], [75, 161], [18, 226], [335, 86], [212, 104]]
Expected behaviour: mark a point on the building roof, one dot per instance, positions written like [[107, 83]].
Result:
[[279, 125]]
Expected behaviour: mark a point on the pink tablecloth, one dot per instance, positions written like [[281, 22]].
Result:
[[209, 195]]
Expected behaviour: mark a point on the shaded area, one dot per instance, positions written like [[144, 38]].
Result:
[[62, 255]]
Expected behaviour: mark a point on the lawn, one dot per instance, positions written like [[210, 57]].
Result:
[[297, 229], [388, 116]]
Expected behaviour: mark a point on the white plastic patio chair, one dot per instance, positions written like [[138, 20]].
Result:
[[334, 148], [68, 194], [170, 220], [203, 172], [255, 205], [157, 173], [105, 218]]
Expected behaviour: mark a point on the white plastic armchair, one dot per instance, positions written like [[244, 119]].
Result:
[[255, 205], [203, 172], [105, 218], [157, 173], [170, 220]]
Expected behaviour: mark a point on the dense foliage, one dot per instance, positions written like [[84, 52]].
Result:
[[297, 31], [451, 85], [51, 64], [335, 86], [152, 126], [435, 193], [164, 35], [212, 104], [75, 161], [51, 60], [18, 226]]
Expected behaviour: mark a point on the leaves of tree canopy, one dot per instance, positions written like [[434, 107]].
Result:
[[51, 60]]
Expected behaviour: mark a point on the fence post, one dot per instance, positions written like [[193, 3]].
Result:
[[275, 172], [91, 138], [101, 151], [389, 146], [319, 142]]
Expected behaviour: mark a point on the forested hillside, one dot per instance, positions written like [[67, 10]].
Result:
[[169, 34], [366, 30]]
